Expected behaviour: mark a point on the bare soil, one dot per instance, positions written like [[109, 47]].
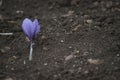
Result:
[[76, 42]]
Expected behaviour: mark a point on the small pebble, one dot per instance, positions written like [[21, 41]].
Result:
[[79, 68], [45, 64], [86, 72], [43, 37], [45, 48], [96, 68], [19, 12], [112, 63], [70, 47], [89, 21], [6, 66], [55, 76], [61, 41], [69, 57], [76, 27], [68, 14], [7, 48], [77, 51], [2, 50], [74, 65], [12, 59], [12, 69], [24, 62], [118, 55], [81, 62], [95, 61], [96, 3]]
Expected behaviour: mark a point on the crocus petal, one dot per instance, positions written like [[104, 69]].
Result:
[[26, 26], [37, 27], [31, 29]]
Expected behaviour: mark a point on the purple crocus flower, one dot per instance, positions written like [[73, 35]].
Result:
[[31, 29]]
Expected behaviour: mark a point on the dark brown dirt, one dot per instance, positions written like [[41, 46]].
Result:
[[80, 42]]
